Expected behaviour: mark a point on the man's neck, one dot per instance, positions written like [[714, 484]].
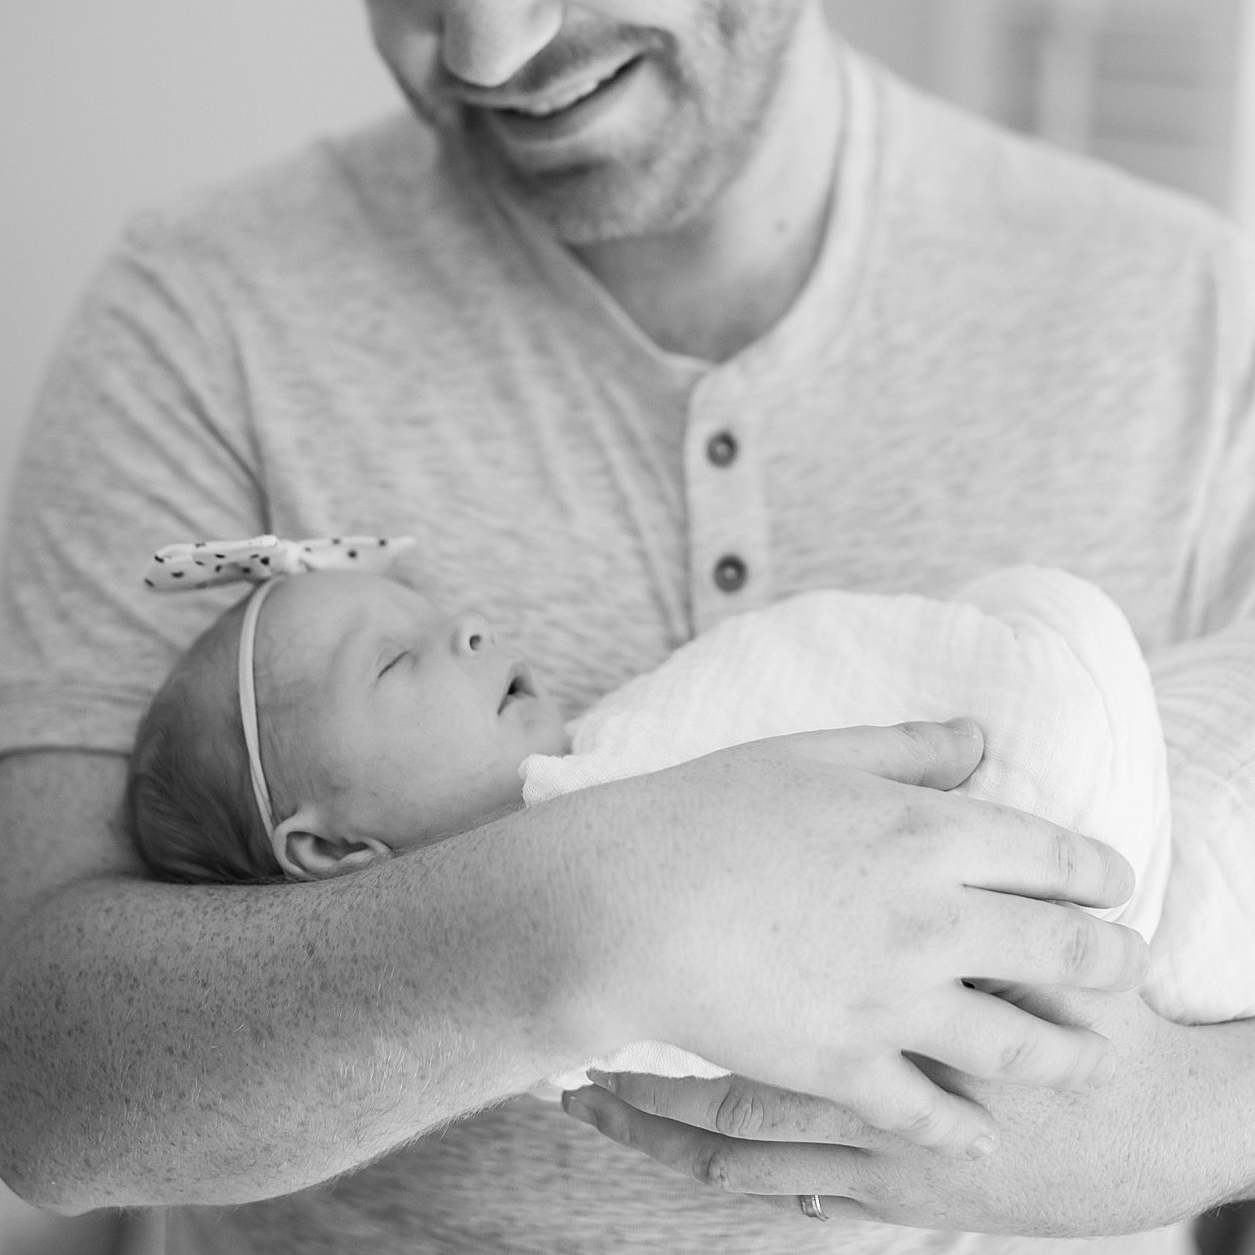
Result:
[[713, 287]]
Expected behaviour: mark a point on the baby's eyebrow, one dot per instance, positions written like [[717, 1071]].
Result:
[[362, 647]]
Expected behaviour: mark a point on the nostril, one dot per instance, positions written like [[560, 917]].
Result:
[[475, 640]]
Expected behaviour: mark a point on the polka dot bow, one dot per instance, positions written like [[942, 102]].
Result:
[[206, 563]]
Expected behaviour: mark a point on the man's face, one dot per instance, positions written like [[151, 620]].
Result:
[[610, 119]]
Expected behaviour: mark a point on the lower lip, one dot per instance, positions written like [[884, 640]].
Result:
[[525, 129]]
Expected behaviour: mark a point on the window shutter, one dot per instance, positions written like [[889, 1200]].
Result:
[[1148, 84]]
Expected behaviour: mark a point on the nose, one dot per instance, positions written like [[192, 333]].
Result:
[[486, 42], [471, 633]]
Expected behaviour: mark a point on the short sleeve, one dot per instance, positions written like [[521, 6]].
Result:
[[140, 436]]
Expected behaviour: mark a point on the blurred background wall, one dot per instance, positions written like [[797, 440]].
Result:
[[1158, 86], [106, 105]]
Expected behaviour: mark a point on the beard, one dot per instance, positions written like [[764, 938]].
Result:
[[717, 79]]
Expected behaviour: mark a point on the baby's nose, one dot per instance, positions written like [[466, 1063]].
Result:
[[472, 632]]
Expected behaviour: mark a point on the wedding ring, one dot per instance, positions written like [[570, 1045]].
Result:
[[811, 1206]]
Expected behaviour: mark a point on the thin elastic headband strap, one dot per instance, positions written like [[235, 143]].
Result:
[[248, 702]]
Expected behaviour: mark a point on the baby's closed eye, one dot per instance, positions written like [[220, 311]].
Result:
[[405, 653]]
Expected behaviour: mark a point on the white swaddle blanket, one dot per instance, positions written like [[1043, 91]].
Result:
[[1045, 662]]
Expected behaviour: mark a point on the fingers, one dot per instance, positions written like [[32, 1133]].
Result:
[[833, 1208], [724, 1163], [893, 1097], [1020, 940], [738, 1107], [986, 1037], [1024, 854], [933, 755], [1011, 852]]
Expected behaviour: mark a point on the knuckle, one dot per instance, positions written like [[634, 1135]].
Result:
[[1064, 858], [712, 1166], [642, 1091], [1018, 1058], [740, 1112], [1079, 953], [925, 1125]]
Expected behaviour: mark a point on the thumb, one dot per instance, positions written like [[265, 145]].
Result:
[[932, 755]]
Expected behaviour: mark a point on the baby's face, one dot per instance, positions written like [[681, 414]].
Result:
[[411, 721]]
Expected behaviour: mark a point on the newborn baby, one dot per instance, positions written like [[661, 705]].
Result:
[[335, 717]]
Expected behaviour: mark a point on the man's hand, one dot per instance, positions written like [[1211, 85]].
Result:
[[816, 924], [1144, 1151]]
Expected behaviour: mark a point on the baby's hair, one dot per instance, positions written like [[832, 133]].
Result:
[[189, 801]]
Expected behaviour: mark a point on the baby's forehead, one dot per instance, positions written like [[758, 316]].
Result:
[[321, 609], [329, 589]]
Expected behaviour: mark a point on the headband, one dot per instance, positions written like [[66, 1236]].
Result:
[[248, 703], [261, 560]]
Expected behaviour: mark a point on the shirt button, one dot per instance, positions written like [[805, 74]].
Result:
[[731, 574], [722, 448]]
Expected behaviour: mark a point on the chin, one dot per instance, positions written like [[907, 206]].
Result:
[[551, 740], [583, 216], [615, 197]]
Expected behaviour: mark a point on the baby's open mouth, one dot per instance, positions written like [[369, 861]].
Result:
[[518, 684]]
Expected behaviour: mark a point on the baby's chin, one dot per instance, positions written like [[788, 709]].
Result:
[[547, 734]]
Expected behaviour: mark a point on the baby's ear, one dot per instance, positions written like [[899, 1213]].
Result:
[[307, 850]]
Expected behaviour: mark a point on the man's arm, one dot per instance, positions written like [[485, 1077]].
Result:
[[168, 1044], [171, 1044]]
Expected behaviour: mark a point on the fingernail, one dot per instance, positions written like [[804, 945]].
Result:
[[603, 1079], [1103, 1072], [982, 1146], [964, 726], [573, 1107]]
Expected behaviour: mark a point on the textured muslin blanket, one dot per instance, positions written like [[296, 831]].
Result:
[[1045, 662]]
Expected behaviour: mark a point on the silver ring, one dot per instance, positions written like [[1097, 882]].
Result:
[[811, 1206]]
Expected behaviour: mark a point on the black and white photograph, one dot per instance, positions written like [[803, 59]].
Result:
[[627, 627]]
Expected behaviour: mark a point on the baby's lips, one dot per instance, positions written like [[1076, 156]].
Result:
[[519, 682]]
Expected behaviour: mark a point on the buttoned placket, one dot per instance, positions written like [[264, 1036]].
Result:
[[729, 554]]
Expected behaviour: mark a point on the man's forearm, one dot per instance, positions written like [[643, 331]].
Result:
[[1227, 1062], [167, 1044], [164, 1044]]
